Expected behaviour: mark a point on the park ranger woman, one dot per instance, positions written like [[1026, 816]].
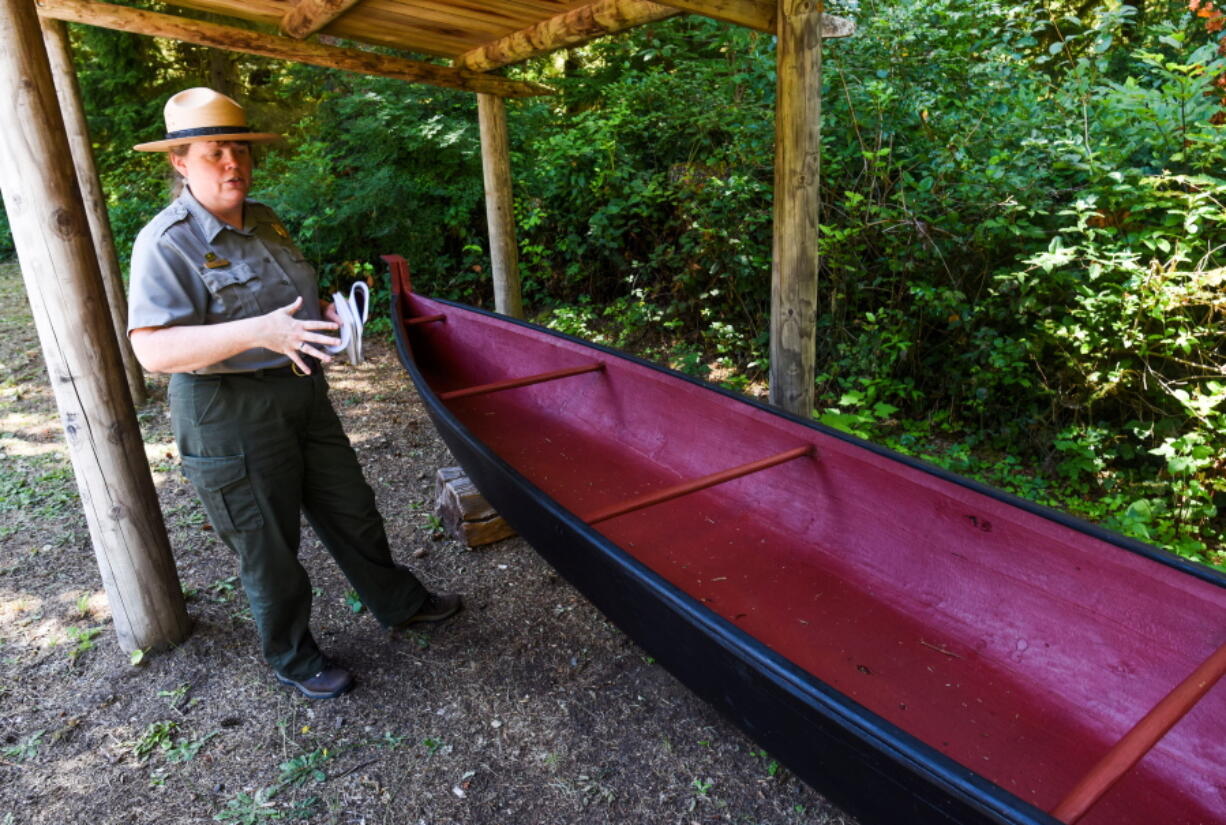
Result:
[[223, 300]]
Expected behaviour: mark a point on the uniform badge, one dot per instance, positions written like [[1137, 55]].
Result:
[[213, 262], [281, 230]]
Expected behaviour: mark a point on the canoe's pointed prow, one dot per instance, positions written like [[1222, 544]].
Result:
[[401, 285]]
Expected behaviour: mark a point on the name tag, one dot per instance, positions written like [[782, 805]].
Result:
[[212, 261]]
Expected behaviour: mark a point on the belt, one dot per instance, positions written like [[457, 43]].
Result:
[[290, 369]]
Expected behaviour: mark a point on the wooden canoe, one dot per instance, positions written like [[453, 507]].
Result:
[[918, 647]]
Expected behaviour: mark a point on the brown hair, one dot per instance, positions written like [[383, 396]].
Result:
[[176, 180]]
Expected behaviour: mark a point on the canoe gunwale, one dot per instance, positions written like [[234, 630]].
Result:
[[955, 793]]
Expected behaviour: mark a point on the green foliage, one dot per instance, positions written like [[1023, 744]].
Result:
[[158, 736], [82, 640], [26, 749], [43, 486], [7, 250], [305, 766], [381, 166], [655, 184], [249, 809]]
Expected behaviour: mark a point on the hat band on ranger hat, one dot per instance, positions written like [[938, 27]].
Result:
[[206, 131]]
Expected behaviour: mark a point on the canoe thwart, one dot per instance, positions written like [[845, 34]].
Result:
[[693, 486], [512, 383], [1141, 739], [424, 319]]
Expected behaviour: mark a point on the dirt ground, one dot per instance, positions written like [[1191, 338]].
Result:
[[529, 707]]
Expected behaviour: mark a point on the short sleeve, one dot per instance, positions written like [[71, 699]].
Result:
[[164, 288]]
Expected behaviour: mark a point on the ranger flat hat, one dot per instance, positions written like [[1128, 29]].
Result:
[[201, 114]]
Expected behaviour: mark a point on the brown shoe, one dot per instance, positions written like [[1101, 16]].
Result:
[[327, 684], [436, 609]]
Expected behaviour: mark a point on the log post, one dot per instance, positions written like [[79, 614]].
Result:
[[798, 111], [499, 209], [62, 279], [59, 53]]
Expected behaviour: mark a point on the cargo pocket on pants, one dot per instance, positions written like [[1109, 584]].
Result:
[[223, 485]]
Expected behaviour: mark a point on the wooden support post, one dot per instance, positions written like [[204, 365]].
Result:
[[798, 111], [464, 512], [59, 53], [499, 209], [62, 280]]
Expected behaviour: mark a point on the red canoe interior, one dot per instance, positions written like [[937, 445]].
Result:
[[1019, 647]]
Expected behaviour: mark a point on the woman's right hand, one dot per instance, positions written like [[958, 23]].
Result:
[[290, 336]]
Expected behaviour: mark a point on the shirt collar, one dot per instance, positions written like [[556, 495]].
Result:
[[208, 221]]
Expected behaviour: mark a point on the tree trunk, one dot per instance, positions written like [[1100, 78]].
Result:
[[62, 279], [59, 53]]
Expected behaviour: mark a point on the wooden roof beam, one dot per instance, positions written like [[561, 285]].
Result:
[[757, 14], [575, 26], [138, 21], [309, 16]]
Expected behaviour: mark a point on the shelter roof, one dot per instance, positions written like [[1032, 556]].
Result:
[[476, 36], [455, 28]]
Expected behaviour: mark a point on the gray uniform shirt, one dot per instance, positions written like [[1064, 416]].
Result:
[[189, 268]]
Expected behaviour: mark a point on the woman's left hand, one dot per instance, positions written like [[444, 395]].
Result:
[[286, 334]]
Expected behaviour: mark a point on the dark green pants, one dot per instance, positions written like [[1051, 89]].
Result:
[[261, 450]]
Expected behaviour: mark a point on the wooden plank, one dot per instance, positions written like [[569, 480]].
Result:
[[757, 14], [309, 16], [423, 28], [153, 24], [752, 14], [499, 205], [59, 54], [798, 113], [55, 249], [464, 512], [397, 33], [1141, 739], [577, 26], [376, 22]]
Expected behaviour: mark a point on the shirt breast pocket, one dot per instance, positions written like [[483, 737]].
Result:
[[237, 287]]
